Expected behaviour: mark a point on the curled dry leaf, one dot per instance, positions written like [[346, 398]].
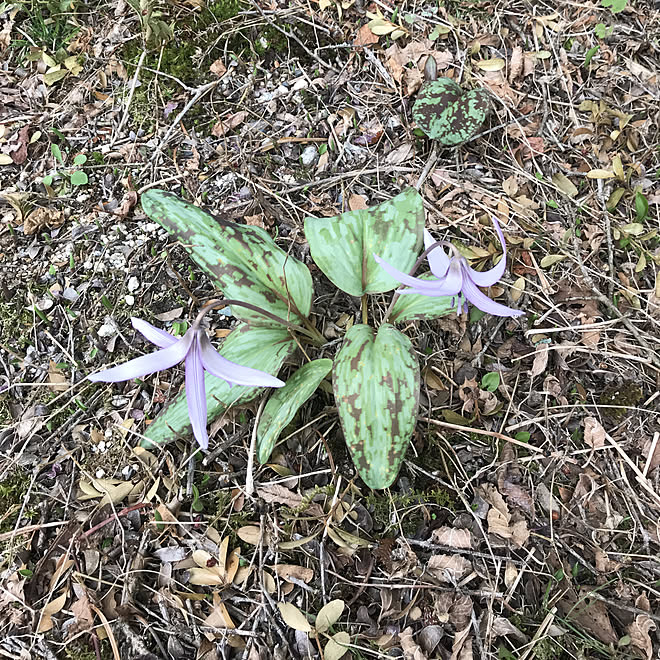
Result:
[[51, 608], [639, 634], [594, 433], [588, 613], [291, 572], [540, 360], [280, 495], [452, 538], [449, 568], [500, 520], [57, 380], [411, 651]]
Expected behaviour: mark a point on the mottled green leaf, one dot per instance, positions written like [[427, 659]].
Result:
[[448, 114], [285, 403], [244, 261], [343, 246], [376, 384], [250, 346], [415, 307]]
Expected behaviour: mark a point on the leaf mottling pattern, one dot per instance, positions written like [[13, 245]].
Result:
[[244, 261], [376, 385], [343, 246], [448, 114]]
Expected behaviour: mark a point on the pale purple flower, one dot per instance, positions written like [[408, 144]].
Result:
[[199, 354], [454, 276]]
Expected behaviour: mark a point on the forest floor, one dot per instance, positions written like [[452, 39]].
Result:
[[263, 113]]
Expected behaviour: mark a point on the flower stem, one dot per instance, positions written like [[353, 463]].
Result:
[[312, 333], [365, 311]]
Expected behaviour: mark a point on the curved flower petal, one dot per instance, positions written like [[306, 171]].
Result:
[[437, 257], [233, 373], [484, 303], [489, 277], [447, 286], [153, 334], [196, 395], [147, 364]]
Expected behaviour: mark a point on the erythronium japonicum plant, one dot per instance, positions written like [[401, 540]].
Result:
[[375, 374]]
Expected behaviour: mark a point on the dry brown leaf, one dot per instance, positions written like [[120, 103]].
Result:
[[401, 154], [221, 127], [57, 381], [452, 538], [460, 612], [83, 612], [540, 360], [462, 647], [499, 519], [510, 574], [218, 68], [594, 433], [128, 201], [639, 634], [588, 613], [251, 534], [42, 217], [53, 607], [357, 202], [64, 563], [412, 80], [290, 572], [280, 495], [449, 568], [218, 618], [365, 37], [501, 627], [411, 651], [516, 64]]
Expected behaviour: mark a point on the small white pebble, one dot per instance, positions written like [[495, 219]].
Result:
[[133, 284], [101, 445], [100, 473], [107, 330], [130, 300], [127, 472]]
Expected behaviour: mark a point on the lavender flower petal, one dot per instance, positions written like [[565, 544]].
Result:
[[489, 277], [153, 334], [146, 364], [234, 373], [196, 395], [484, 303], [448, 286], [438, 258]]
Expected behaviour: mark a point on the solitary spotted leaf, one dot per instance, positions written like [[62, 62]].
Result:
[[343, 246], [243, 261], [448, 114], [251, 346], [285, 403], [376, 384]]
